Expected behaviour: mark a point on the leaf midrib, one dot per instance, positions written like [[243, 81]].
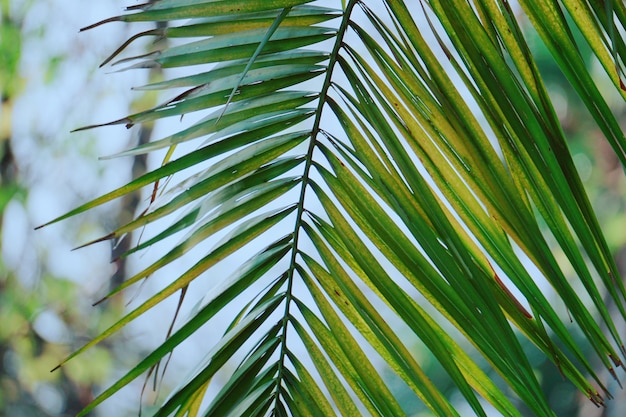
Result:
[[304, 184]]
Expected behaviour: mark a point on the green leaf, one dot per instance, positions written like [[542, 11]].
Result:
[[251, 272], [424, 184]]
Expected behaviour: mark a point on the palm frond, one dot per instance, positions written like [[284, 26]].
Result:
[[413, 165]]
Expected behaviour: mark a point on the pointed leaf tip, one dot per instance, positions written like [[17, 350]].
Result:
[[153, 32], [617, 361], [102, 22], [614, 375], [101, 239], [123, 120], [100, 301]]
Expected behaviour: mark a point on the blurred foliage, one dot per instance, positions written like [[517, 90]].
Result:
[[10, 51], [39, 325], [42, 320], [45, 317]]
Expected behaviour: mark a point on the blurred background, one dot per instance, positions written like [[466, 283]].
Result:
[[50, 84]]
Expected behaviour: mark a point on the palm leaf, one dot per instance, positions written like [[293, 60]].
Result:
[[428, 176]]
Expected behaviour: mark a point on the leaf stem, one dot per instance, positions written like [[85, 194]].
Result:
[[305, 181]]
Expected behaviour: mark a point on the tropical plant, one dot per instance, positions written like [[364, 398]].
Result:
[[403, 175]]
